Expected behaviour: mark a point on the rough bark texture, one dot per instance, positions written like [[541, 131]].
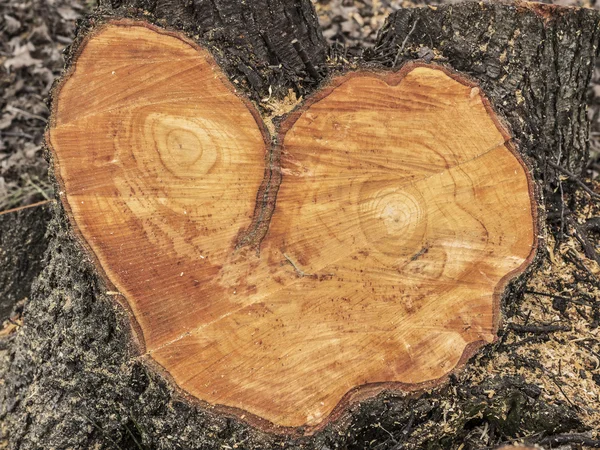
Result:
[[22, 246], [534, 60], [252, 40], [71, 376]]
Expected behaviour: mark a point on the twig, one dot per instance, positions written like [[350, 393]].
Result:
[[39, 189], [407, 429], [401, 49], [64, 39], [581, 343], [581, 236], [20, 208], [574, 257], [553, 378], [521, 342], [536, 329], [95, 425], [560, 297], [592, 224], [393, 439], [306, 60], [137, 444], [17, 134], [562, 211], [575, 178], [570, 439], [274, 58], [297, 269], [26, 113]]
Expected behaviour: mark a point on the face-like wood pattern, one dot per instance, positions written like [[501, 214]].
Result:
[[372, 251]]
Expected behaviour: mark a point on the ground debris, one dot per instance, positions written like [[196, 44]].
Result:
[[33, 34]]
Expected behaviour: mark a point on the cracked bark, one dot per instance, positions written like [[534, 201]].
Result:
[[253, 41], [22, 246], [534, 60]]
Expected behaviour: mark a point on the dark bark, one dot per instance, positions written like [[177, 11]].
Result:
[[253, 41], [22, 246], [534, 61], [72, 379]]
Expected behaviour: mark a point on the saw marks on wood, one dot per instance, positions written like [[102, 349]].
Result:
[[371, 254]]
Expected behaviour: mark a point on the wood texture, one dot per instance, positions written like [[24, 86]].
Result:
[[370, 253]]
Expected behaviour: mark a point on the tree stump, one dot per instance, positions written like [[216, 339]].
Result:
[[390, 217], [244, 276]]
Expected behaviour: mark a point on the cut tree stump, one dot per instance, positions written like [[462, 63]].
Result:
[[367, 247], [263, 243]]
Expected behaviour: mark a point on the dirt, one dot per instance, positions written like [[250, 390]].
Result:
[[555, 328]]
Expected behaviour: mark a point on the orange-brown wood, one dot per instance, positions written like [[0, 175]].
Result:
[[371, 253]]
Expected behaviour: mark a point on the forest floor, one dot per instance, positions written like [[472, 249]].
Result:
[[33, 34], [554, 328]]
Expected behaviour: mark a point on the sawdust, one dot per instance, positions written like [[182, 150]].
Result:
[[277, 108], [565, 365]]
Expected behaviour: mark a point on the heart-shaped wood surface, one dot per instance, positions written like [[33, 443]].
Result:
[[364, 247]]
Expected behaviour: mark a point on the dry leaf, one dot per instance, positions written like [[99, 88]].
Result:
[[21, 57]]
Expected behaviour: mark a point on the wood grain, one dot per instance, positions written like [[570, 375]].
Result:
[[370, 253]]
